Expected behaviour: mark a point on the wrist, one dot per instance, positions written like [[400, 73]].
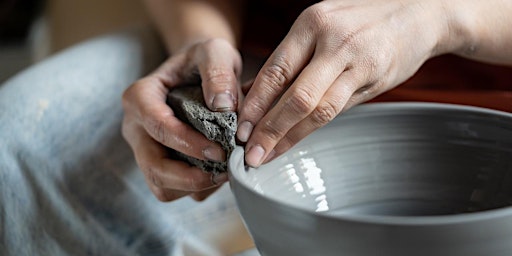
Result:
[[192, 22], [456, 37], [185, 45]]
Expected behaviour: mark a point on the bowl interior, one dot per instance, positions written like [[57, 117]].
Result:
[[400, 159]]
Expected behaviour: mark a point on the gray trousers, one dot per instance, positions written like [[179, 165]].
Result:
[[69, 184]]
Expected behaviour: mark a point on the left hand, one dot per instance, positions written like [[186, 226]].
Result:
[[151, 128], [336, 55]]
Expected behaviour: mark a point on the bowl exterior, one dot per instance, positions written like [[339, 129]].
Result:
[[279, 228]]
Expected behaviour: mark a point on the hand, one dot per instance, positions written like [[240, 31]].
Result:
[[336, 55], [151, 128]]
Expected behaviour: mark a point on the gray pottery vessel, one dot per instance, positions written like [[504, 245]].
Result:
[[386, 179]]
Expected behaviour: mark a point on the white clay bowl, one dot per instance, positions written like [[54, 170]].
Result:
[[398, 179]]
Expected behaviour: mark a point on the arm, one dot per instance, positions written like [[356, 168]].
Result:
[[480, 30], [201, 36], [342, 53], [186, 22]]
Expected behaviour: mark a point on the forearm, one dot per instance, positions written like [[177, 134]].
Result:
[[480, 30], [184, 22]]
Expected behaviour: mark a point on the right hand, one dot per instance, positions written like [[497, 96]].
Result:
[[150, 127], [336, 55]]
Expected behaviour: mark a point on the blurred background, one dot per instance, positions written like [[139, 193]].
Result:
[[31, 30]]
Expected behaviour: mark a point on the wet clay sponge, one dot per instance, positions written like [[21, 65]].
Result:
[[188, 105]]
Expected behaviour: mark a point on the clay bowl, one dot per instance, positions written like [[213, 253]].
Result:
[[386, 179]]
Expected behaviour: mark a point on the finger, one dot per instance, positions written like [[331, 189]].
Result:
[[173, 133], [333, 102], [175, 71], [276, 74], [160, 123], [220, 66], [135, 143], [295, 105], [201, 196], [163, 172], [363, 94], [166, 195]]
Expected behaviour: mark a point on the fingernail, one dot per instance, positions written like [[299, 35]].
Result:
[[214, 154], [255, 156], [219, 178], [244, 131], [223, 102]]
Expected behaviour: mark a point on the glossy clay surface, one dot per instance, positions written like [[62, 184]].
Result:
[[386, 179]]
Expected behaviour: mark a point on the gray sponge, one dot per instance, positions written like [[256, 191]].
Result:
[[188, 105]]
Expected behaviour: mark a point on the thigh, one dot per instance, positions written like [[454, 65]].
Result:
[[63, 161], [68, 182]]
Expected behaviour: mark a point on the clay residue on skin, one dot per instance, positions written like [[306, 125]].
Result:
[[42, 105]]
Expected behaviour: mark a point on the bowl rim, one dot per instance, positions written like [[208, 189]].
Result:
[[237, 156]]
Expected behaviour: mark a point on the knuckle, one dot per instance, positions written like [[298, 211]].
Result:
[[194, 183], [324, 113], [152, 176], [371, 66], [270, 131], [376, 64], [301, 101], [278, 73], [351, 44], [156, 127], [318, 16], [129, 94], [219, 76], [256, 107]]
